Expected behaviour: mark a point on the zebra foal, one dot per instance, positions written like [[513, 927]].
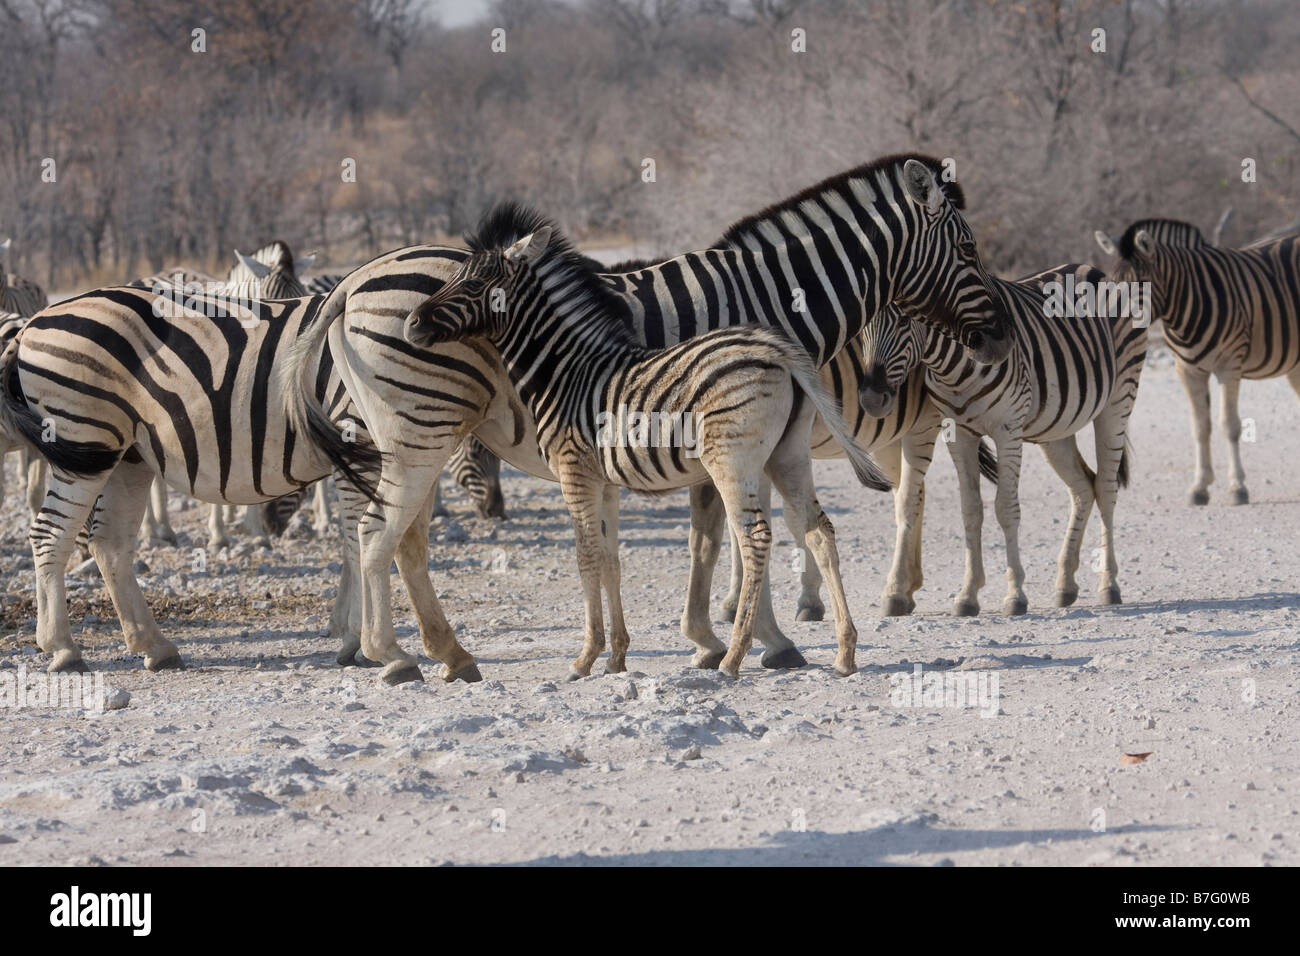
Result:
[[749, 396]]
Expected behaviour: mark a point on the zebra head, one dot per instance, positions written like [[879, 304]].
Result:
[[891, 347], [1153, 251], [940, 278], [269, 273], [472, 302]]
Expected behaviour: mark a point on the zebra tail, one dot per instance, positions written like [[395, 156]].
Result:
[[358, 460], [805, 375], [20, 423], [988, 460]]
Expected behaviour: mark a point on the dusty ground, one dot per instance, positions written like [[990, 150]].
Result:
[[265, 751]]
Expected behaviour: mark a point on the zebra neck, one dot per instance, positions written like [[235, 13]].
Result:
[[827, 266], [943, 356]]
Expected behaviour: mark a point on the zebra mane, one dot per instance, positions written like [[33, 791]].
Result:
[[275, 255], [1169, 232], [891, 166], [630, 265], [507, 222]]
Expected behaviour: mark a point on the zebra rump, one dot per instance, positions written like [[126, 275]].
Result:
[[82, 458]]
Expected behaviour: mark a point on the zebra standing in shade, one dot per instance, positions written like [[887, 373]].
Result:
[[1230, 313], [1063, 374], [818, 265], [576, 365]]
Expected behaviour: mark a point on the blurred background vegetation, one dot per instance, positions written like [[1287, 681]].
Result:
[[166, 156]]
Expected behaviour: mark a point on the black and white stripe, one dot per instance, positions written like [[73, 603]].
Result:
[[1230, 313], [1063, 374]]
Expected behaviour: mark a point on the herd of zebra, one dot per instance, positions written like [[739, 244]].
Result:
[[853, 319]]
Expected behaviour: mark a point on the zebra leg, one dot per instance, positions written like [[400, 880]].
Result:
[[1111, 431], [439, 509], [1230, 383], [611, 579], [255, 528], [1007, 508], [1197, 385], [380, 533], [897, 599], [751, 526], [157, 522], [53, 535], [113, 540], [1063, 455], [585, 497], [345, 616], [965, 458], [707, 515], [791, 471], [732, 599], [435, 631], [217, 538], [779, 651], [36, 473], [322, 520]]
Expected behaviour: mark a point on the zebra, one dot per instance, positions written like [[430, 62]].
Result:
[[123, 392], [20, 299], [1231, 313], [1062, 374], [271, 272], [879, 232], [740, 392]]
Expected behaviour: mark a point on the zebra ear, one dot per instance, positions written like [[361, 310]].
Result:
[[530, 247], [302, 265], [1107, 244], [4, 246], [1143, 243], [252, 265], [922, 188]]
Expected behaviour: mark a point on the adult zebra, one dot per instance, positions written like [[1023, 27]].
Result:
[[271, 272], [1061, 375], [747, 395], [818, 265], [1230, 313], [137, 384], [20, 299]]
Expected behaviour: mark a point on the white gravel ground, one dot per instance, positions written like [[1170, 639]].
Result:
[[264, 751]]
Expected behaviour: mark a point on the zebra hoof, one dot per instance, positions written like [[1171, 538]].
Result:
[[708, 660], [168, 539], [1110, 595], [172, 662], [842, 670], [360, 660], [813, 612], [401, 672], [732, 672], [965, 607], [729, 612], [1066, 598], [470, 674], [1014, 607], [1200, 496], [575, 674], [1240, 496], [784, 659], [68, 662], [897, 605], [348, 656]]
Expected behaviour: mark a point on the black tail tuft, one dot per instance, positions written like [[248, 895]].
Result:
[[1123, 474], [988, 460], [85, 459], [359, 461]]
